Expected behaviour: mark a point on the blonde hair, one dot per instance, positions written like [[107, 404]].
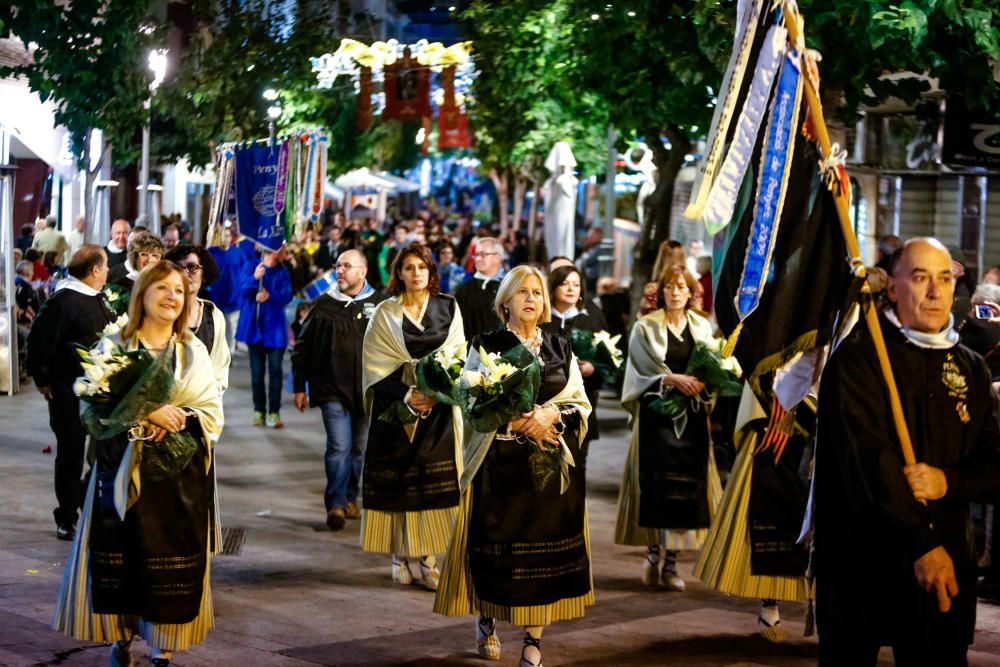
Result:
[[153, 274], [509, 286]]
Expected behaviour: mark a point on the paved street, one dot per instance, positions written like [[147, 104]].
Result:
[[301, 595]]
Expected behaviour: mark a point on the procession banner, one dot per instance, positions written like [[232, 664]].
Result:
[[257, 179]]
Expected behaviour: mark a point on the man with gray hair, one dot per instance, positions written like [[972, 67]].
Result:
[[327, 359], [475, 298], [48, 239]]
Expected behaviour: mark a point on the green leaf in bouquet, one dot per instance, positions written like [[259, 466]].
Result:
[[489, 411], [435, 381], [671, 404], [583, 344], [706, 365], [398, 413], [545, 464], [164, 459]]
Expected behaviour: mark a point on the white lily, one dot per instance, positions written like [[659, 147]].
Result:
[[80, 388], [472, 378], [93, 372], [611, 343]]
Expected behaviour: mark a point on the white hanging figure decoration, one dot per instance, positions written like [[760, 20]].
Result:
[[560, 201], [647, 168]]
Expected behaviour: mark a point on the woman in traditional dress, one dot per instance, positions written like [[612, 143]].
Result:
[[519, 553], [206, 320], [752, 549], [140, 563], [670, 487], [410, 478], [570, 311]]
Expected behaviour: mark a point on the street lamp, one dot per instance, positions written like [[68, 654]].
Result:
[[158, 65]]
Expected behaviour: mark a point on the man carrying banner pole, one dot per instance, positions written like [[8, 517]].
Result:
[[877, 583], [894, 562]]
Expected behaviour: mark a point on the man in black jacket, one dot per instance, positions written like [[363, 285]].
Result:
[[74, 316], [894, 561], [475, 298], [327, 358]]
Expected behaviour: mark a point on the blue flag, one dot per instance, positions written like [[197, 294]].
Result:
[[256, 182]]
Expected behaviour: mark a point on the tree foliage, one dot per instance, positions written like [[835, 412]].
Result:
[[89, 59], [954, 41], [243, 49], [524, 98]]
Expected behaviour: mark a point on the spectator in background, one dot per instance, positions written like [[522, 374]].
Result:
[[326, 256], [171, 237], [225, 291], [119, 243], [992, 276], [265, 290], [476, 297], [24, 293], [704, 267], [695, 250], [76, 238], [518, 254], [452, 275], [41, 273], [887, 245], [590, 258], [26, 238], [48, 239]]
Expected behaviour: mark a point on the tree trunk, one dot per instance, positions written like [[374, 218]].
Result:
[[656, 222], [500, 181], [532, 212], [520, 187]]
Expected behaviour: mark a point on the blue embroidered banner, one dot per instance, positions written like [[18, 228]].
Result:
[[775, 161], [256, 185]]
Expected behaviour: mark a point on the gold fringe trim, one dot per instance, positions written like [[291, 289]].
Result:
[[730, 346], [803, 343]]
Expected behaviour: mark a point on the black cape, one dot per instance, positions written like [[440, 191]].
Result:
[[589, 319], [869, 529], [327, 355], [476, 302], [68, 319]]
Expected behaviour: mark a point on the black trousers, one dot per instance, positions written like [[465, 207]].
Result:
[[71, 443]]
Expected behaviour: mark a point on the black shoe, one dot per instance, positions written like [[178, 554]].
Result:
[[66, 532], [160, 662]]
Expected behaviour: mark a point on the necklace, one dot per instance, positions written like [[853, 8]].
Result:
[[677, 329], [533, 342]]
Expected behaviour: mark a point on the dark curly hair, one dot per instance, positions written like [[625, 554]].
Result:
[[423, 253], [209, 269]]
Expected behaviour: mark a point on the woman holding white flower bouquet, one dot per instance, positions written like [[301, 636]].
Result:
[[520, 551], [413, 457], [140, 562], [671, 486]]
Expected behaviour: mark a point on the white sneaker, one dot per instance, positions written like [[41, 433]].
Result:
[[401, 572], [429, 576], [487, 642]]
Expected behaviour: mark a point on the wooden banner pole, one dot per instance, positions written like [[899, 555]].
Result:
[[794, 23]]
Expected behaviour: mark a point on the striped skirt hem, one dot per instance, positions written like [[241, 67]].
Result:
[[407, 534], [456, 595], [724, 563], [74, 614], [628, 532]]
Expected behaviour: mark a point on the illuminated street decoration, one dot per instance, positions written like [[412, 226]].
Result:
[[394, 80]]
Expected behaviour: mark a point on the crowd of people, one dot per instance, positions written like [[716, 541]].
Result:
[[459, 509]]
